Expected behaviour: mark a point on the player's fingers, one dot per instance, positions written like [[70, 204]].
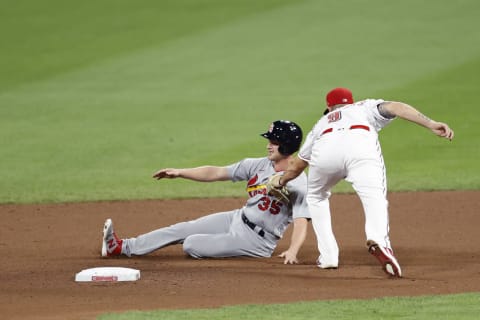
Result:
[[166, 173], [159, 175], [443, 130], [449, 133], [290, 261]]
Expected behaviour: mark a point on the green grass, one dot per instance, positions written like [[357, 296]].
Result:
[[96, 97], [418, 161], [454, 307]]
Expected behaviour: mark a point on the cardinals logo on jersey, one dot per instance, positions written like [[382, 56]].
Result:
[[253, 188], [266, 202], [252, 181]]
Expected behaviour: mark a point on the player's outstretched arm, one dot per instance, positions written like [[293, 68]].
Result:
[[299, 235], [169, 173], [407, 112], [202, 174]]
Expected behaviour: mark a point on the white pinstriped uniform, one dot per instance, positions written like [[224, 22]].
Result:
[[344, 145]]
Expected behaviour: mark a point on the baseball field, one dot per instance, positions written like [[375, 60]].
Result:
[[95, 96]]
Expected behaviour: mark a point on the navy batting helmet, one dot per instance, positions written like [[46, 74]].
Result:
[[288, 135]]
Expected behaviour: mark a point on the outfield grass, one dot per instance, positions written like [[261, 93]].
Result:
[[97, 95], [94, 98], [454, 307]]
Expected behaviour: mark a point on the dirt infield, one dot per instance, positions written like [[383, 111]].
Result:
[[42, 247]]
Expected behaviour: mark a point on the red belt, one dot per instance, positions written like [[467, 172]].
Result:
[[355, 126]]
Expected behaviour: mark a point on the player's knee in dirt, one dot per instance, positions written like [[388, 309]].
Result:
[[189, 248]]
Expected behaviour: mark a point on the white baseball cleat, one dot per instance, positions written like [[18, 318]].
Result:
[[111, 244], [386, 258], [323, 265]]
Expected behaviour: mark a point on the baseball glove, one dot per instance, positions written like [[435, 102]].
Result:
[[276, 190]]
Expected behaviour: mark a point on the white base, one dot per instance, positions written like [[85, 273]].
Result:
[[107, 274]]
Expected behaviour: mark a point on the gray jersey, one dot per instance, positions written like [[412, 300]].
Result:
[[264, 210], [227, 234]]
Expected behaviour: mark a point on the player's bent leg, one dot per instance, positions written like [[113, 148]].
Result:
[[322, 225], [375, 207], [320, 182], [174, 234], [371, 190], [217, 246], [232, 244]]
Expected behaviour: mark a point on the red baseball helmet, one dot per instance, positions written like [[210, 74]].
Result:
[[339, 96]]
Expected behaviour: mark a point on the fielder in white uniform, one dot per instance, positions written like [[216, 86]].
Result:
[[344, 144], [252, 230]]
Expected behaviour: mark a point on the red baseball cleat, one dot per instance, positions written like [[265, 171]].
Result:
[[111, 246], [386, 258]]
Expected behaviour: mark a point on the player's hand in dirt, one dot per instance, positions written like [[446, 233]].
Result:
[[168, 173], [289, 257]]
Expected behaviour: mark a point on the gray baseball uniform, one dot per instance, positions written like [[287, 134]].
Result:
[[252, 230]]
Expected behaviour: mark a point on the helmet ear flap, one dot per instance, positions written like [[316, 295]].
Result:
[[281, 149], [287, 147]]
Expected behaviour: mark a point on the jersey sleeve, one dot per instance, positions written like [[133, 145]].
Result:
[[375, 118], [244, 169], [298, 197], [305, 151]]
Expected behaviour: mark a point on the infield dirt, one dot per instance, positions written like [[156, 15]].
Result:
[[42, 247]]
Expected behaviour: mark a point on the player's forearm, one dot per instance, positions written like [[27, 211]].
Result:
[[204, 173], [294, 169], [299, 235], [407, 112]]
